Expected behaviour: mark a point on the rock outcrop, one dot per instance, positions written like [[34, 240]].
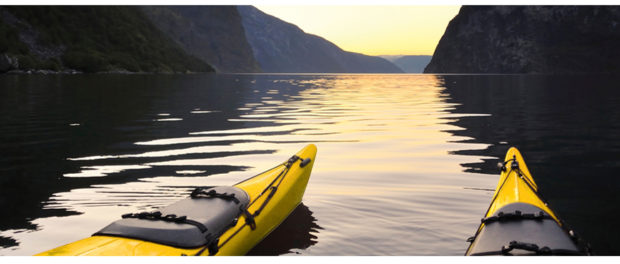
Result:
[[8, 63], [530, 39], [213, 34]]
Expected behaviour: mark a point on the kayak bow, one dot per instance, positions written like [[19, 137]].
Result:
[[519, 222], [222, 220]]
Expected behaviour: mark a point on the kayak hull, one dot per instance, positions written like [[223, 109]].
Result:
[[518, 221], [269, 205]]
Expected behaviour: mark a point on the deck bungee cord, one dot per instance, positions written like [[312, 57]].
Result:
[[249, 217], [208, 219], [518, 220], [514, 166]]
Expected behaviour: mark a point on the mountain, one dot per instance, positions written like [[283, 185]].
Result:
[[213, 34], [88, 39], [530, 39], [409, 63], [167, 39], [279, 46]]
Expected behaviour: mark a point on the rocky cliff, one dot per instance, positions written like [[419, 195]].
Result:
[[213, 34], [167, 39], [530, 39], [88, 39], [279, 46]]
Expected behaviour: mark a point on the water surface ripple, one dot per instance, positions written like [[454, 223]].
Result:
[[402, 165]]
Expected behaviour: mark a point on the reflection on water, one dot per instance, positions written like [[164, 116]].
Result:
[[567, 128], [296, 232], [402, 165]]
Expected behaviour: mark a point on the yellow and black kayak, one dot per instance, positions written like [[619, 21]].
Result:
[[519, 222], [221, 220]]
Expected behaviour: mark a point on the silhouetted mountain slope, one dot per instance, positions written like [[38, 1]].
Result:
[[530, 39], [89, 39], [214, 34], [283, 47]]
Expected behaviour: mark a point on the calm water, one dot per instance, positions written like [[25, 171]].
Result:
[[406, 164]]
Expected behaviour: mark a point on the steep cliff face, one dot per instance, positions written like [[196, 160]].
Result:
[[90, 39], [530, 39], [214, 34], [283, 47]]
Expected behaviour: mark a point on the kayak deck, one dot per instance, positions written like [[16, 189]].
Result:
[[518, 221], [273, 195]]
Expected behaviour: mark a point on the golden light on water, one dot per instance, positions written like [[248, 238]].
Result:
[[379, 112], [383, 141], [372, 30]]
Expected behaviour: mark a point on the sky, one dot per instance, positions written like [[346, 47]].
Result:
[[371, 30]]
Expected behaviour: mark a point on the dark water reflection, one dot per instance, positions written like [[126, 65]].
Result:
[[406, 163], [567, 127], [47, 119], [296, 232], [60, 134]]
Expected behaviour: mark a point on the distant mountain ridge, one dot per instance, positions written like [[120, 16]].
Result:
[[279, 46], [530, 39], [409, 63]]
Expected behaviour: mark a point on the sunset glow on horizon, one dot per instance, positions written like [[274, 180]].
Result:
[[371, 30]]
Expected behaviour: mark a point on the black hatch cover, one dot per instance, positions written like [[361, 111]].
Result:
[[215, 213]]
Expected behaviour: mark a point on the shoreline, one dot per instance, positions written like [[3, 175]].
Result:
[[74, 72]]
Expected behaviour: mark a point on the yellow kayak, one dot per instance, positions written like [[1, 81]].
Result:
[[222, 220], [519, 222]]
